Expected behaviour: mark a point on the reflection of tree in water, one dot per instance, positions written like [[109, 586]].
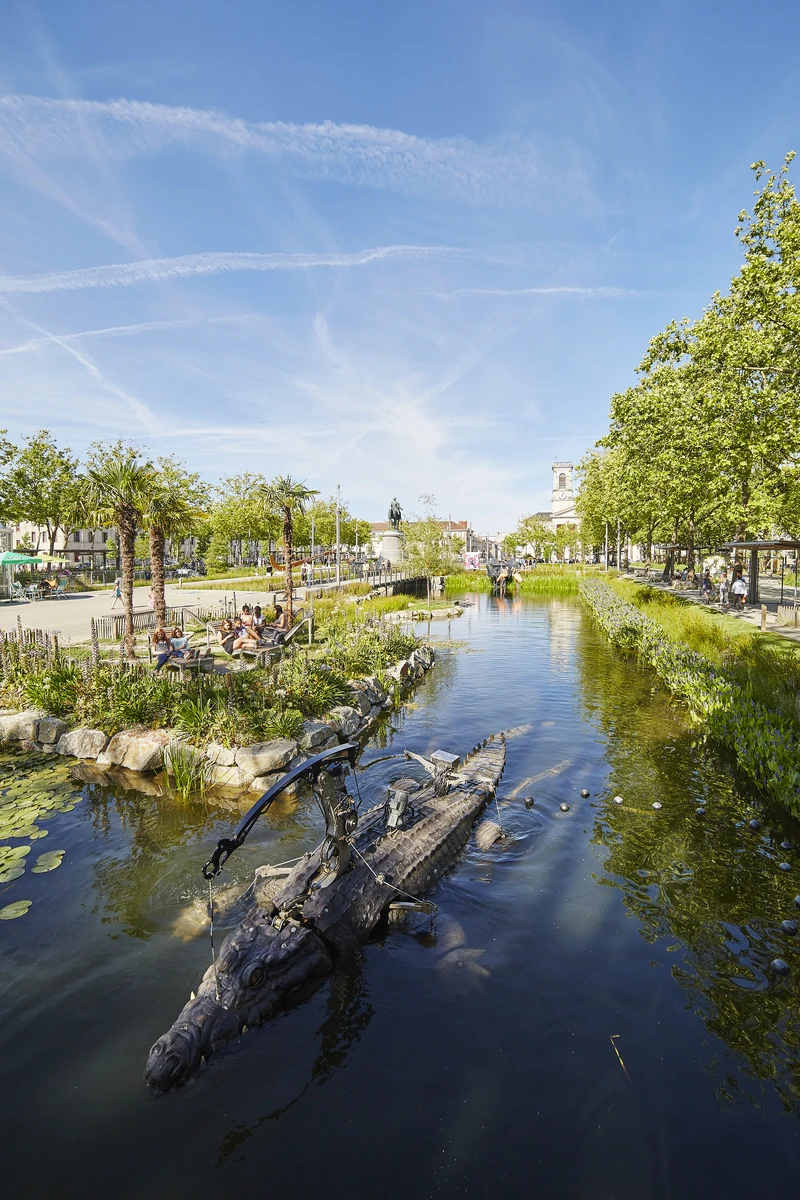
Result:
[[348, 1015], [715, 887], [155, 828], [428, 691]]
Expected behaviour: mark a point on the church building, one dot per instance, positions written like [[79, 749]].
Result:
[[562, 505]]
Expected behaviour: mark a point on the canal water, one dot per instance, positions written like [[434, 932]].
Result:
[[610, 1029]]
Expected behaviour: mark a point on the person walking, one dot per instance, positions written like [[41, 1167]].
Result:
[[706, 587], [117, 593], [724, 588], [739, 591]]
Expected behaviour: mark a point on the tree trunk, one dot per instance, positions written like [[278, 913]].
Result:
[[52, 534], [287, 564], [157, 573], [127, 547], [690, 544]]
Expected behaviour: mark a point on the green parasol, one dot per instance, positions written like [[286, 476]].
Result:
[[10, 558]]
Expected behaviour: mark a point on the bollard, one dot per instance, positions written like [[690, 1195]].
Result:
[[763, 618]]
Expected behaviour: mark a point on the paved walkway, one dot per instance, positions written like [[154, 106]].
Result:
[[70, 616], [769, 590]]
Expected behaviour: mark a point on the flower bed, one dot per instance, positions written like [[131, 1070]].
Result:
[[763, 742]]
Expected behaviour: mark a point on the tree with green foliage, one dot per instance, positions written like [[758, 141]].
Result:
[[239, 515], [533, 531], [288, 497], [41, 484], [427, 549], [173, 511], [115, 490]]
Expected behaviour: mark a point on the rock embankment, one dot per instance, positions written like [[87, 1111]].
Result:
[[241, 768]]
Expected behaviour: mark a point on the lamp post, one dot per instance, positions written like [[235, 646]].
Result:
[[338, 536]]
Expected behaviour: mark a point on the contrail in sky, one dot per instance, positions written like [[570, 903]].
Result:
[[154, 270]]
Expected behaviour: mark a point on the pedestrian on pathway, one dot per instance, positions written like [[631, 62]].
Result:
[[739, 590], [724, 588], [706, 587], [117, 594], [151, 600]]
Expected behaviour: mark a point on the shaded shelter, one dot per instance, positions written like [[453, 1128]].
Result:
[[755, 547]]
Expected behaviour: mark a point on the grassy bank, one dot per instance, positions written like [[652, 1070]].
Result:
[[351, 642], [545, 580], [726, 696], [766, 666]]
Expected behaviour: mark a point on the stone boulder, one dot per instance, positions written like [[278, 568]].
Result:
[[223, 756], [359, 700], [315, 735], [262, 783], [227, 777], [400, 671], [51, 729], [138, 749], [82, 743], [347, 720], [374, 690], [184, 750], [264, 757], [20, 727]]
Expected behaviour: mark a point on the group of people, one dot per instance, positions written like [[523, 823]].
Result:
[[251, 630], [732, 592], [171, 645]]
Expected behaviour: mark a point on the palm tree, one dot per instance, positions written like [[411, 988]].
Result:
[[168, 514], [115, 491], [288, 497]]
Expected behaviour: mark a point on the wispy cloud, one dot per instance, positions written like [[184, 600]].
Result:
[[113, 331], [506, 170], [555, 290], [153, 270]]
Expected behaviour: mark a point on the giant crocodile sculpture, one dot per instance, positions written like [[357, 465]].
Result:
[[332, 900]]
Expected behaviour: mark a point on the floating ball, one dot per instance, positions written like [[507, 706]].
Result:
[[784, 866], [701, 812], [618, 799], [797, 901], [585, 793], [789, 927], [564, 807], [779, 966], [529, 801], [787, 846], [754, 825], [656, 804]]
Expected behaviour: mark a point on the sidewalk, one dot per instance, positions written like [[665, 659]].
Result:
[[769, 590]]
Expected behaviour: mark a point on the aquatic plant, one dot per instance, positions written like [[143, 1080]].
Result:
[[764, 742], [188, 768]]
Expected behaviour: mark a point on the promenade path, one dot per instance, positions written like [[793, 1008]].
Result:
[[769, 590], [70, 616]]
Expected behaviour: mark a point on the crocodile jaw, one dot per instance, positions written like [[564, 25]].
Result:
[[257, 966]]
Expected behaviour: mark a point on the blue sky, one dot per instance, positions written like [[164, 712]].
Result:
[[406, 248]]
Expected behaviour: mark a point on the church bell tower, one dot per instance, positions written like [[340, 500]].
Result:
[[563, 497]]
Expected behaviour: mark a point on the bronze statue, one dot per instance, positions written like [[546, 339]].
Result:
[[395, 514]]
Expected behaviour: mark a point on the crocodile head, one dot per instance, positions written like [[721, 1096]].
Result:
[[256, 967]]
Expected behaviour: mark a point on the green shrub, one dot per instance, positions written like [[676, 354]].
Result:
[[55, 690], [283, 723]]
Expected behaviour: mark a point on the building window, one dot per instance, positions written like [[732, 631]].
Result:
[[562, 480], [105, 538], [76, 537]]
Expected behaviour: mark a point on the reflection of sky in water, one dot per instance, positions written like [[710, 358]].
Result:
[[605, 920]]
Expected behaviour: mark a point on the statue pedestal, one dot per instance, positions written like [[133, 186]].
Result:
[[392, 546]]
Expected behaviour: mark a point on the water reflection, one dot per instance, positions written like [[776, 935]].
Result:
[[707, 881]]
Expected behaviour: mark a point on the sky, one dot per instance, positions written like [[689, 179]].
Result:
[[408, 249]]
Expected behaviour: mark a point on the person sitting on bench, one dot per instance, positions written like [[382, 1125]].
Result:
[[231, 639], [162, 647], [275, 632]]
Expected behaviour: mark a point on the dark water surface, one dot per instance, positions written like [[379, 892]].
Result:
[[401, 1079]]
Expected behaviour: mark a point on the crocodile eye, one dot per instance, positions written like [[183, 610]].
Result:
[[256, 977]]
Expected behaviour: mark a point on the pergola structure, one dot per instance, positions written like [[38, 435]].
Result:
[[756, 546]]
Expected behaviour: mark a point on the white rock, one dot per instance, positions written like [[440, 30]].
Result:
[[228, 777], [18, 727], [347, 718], [83, 743], [138, 750], [51, 729], [264, 757], [223, 756], [315, 734]]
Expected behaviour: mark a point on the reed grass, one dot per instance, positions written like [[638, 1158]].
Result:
[[766, 666]]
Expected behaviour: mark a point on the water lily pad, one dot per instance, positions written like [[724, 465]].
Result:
[[48, 861], [11, 873], [39, 833], [24, 831], [18, 909]]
